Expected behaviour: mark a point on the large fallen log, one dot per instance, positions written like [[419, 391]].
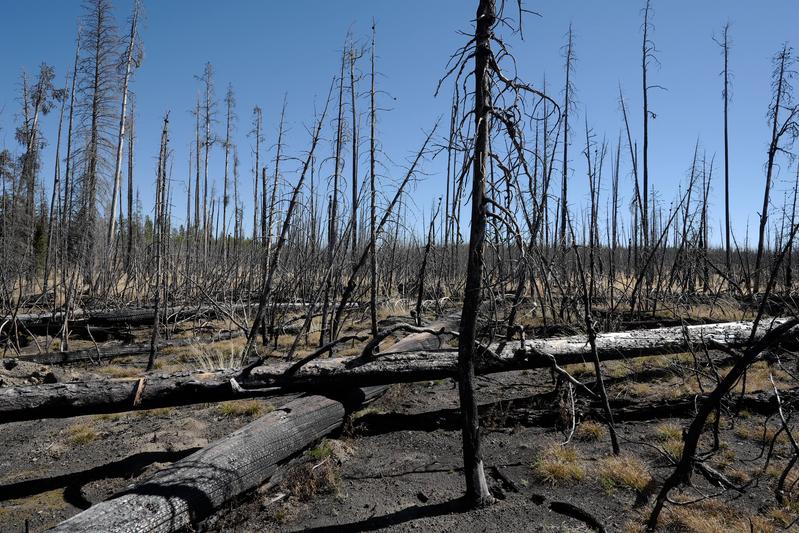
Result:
[[192, 488], [195, 486], [109, 317], [89, 397], [530, 354], [45, 322], [60, 400], [107, 353], [542, 410]]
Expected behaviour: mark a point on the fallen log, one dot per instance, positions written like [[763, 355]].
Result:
[[107, 353], [542, 410], [60, 400], [107, 317], [192, 488], [530, 354], [101, 396], [135, 316]]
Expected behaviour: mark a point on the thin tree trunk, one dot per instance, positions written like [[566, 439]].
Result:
[[355, 141], [122, 118], [158, 238], [372, 197], [477, 493], [645, 54]]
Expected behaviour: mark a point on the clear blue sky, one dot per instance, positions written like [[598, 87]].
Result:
[[268, 49]]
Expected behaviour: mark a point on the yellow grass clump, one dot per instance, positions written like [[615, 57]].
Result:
[[624, 471], [249, 408], [81, 434], [559, 464]]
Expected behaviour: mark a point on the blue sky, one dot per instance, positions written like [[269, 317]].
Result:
[[268, 49]]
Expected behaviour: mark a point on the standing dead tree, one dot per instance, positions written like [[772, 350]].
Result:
[[159, 239], [97, 85], [271, 264], [498, 111], [724, 43], [230, 103], [207, 114], [568, 104], [55, 204], [690, 457], [353, 56], [38, 100], [784, 117], [372, 194], [132, 58], [647, 55], [423, 268]]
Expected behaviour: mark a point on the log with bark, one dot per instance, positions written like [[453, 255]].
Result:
[[102, 396], [45, 322], [107, 353], [530, 354], [192, 488], [542, 410]]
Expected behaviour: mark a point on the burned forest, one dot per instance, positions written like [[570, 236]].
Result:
[[438, 272]]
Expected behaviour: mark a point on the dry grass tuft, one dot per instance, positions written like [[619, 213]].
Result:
[[590, 431], [114, 371], [624, 471], [44, 502], [366, 411], [670, 436], [580, 369], [249, 408], [308, 480], [640, 390], [108, 417], [707, 516], [559, 464], [759, 433], [710, 516], [726, 457], [758, 378], [738, 476], [782, 516], [668, 431], [160, 411], [218, 356], [323, 450], [81, 433], [393, 307]]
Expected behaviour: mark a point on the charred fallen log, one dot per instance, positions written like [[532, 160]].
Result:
[[107, 353], [50, 323], [192, 488], [542, 410], [71, 399]]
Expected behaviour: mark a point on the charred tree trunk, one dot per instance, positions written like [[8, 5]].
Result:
[[372, 197], [158, 228], [190, 489], [477, 493], [129, 63]]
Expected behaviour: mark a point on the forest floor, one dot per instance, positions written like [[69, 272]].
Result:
[[397, 464], [404, 473]]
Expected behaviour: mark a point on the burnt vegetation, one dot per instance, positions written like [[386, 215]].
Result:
[[643, 356]]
